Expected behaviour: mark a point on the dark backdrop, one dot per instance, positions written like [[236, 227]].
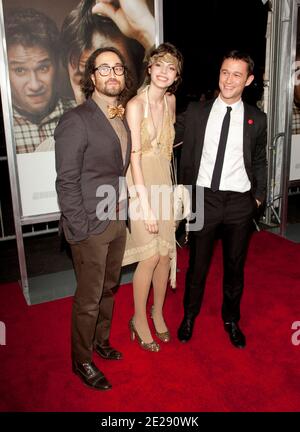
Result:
[[203, 37]]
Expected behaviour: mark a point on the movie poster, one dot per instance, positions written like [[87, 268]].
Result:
[[295, 143], [48, 43]]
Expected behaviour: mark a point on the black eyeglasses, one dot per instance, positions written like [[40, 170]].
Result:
[[105, 70]]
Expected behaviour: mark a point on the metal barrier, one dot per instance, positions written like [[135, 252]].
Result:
[[7, 229]]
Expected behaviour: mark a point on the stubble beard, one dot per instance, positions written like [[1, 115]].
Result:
[[112, 90]]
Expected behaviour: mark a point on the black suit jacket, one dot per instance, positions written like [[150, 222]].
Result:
[[88, 155], [190, 128]]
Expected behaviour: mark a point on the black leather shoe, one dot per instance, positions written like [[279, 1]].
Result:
[[237, 338], [107, 352], [185, 330], [91, 375]]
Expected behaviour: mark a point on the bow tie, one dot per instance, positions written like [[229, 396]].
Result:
[[114, 111]]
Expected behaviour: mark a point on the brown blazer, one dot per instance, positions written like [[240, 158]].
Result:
[[87, 155]]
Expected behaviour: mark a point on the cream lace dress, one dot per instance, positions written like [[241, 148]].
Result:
[[155, 160]]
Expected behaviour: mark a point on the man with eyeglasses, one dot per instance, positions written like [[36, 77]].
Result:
[[94, 24], [93, 145]]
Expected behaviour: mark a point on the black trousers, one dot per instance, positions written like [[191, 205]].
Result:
[[230, 216], [97, 263]]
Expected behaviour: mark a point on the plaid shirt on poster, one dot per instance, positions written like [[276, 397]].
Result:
[[28, 136], [296, 120]]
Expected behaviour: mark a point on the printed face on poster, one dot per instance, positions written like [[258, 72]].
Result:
[[48, 44]]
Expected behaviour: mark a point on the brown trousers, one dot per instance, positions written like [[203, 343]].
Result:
[[97, 263]]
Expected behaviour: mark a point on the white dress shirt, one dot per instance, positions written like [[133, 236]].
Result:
[[234, 177]]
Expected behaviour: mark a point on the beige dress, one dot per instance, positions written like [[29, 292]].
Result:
[[155, 160]]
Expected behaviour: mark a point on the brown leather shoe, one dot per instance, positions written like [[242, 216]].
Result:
[[108, 353], [91, 375]]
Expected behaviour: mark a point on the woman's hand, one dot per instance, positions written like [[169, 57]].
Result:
[[132, 17], [150, 221]]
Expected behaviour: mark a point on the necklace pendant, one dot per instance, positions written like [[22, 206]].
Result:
[[157, 148]]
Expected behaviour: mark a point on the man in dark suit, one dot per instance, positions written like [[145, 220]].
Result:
[[224, 152], [93, 145]]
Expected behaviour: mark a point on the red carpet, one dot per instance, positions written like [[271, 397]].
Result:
[[207, 374]]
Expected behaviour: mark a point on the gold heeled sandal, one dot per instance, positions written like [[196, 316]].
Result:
[[164, 336], [148, 346]]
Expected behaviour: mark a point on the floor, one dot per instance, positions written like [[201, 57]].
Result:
[[293, 220], [49, 264]]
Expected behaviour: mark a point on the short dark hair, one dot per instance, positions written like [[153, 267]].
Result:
[[29, 27], [240, 55], [161, 50], [87, 85]]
